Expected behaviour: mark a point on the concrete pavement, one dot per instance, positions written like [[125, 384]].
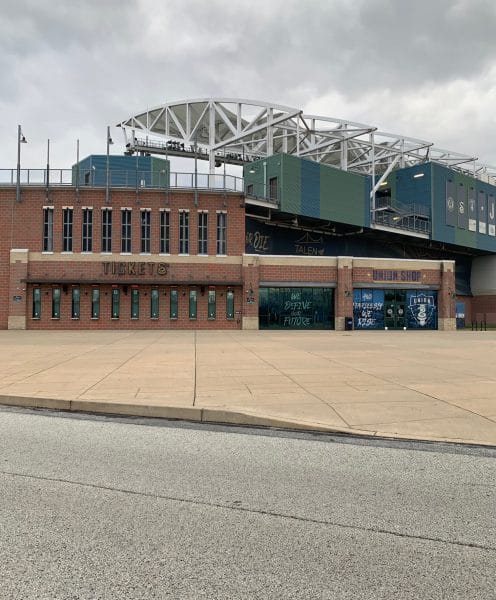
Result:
[[422, 385]]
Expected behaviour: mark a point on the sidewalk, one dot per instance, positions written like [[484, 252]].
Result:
[[422, 385]]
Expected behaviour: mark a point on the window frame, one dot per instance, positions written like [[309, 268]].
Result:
[[164, 231], [126, 230], [47, 244], [203, 232], [106, 230], [87, 229], [184, 232], [145, 230], [67, 228], [221, 244]]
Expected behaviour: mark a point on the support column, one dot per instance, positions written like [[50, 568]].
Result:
[[344, 292], [446, 298], [250, 292], [17, 289]]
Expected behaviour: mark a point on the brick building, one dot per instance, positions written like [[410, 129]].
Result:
[[76, 258]]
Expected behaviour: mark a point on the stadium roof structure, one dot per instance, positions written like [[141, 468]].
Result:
[[237, 131]]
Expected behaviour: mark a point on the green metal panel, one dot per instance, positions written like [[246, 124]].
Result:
[[342, 196], [290, 183]]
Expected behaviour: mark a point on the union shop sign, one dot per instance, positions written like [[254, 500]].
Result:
[[400, 276]]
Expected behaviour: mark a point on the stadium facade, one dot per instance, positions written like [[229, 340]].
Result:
[[333, 225]]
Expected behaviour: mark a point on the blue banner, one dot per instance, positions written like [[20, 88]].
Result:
[[368, 309], [421, 309]]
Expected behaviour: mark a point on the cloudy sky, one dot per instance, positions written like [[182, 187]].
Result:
[[423, 68]]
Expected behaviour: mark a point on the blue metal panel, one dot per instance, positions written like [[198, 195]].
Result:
[[124, 171], [310, 188]]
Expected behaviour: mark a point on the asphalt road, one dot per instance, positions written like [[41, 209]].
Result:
[[104, 508]]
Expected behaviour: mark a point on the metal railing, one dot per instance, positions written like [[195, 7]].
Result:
[[97, 178], [409, 222]]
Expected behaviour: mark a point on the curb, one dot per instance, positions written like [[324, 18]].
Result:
[[210, 415]]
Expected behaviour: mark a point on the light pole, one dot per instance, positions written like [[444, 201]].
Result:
[[48, 170], [107, 188], [20, 140]]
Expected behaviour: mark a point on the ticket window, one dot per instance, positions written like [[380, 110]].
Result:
[[36, 303], [212, 309], [134, 303], [95, 303], [76, 303], [192, 304], [173, 304], [115, 303], [230, 305], [154, 303], [56, 303]]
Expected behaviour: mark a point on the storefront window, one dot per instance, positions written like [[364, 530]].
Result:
[[154, 303], [296, 308], [394, 309]]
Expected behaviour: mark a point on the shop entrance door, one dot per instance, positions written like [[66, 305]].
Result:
[[395, 309]]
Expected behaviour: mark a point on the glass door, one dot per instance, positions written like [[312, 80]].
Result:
[[395, 309]]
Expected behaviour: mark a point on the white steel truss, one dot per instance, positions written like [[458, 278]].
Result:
[[237, 131]]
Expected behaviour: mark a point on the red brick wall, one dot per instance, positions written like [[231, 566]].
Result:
[[22, 224], [301, 273], [483, 308]]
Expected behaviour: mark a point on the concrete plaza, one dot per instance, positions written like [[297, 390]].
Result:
[[422, 385]]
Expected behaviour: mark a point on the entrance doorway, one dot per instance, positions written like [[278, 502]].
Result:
[[395, 309]]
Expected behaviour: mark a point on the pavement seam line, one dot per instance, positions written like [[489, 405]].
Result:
[[195, 369], [67, 360], [116, 369], [263, 512], [296, 383], [406, 387]]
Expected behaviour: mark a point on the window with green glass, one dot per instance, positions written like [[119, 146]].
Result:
[[76, 303], [56, 303], [211, 304], [36, 303], [192, 304], [173, 304], [154, 303], [230, 304], [134, 303], [95, 303], [115, 303]]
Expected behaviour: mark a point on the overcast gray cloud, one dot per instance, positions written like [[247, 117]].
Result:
[[425, 69]]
